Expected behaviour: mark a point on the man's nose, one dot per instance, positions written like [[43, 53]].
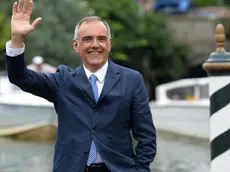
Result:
[[95, 43]]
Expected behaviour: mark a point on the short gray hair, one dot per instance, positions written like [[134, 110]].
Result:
[[90, 18]]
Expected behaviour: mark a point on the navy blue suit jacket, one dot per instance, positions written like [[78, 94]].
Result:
[[121, 112]]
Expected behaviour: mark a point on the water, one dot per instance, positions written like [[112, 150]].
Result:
[[14, 115], [177, 156], [173, 156]]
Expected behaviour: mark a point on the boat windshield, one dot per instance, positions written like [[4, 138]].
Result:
[[194, 92]]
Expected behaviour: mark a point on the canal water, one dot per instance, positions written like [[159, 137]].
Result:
[[173, 155]]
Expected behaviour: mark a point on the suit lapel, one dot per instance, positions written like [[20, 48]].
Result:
[[84, 82], [111, 79]]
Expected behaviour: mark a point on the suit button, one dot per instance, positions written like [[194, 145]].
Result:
[[95, 110], [86, 153], [93, 132]]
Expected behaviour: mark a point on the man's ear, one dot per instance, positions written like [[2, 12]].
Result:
[[110, 44], [75, 45]]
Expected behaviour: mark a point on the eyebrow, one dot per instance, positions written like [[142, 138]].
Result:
[[101, 36], [87, 37]]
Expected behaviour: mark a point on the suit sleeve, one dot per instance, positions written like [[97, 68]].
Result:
[[45, 85], [143, 129]]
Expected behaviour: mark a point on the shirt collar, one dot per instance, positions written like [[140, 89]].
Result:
[[100, 73]]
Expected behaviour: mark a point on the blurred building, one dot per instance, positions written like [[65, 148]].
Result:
[[172, 6]]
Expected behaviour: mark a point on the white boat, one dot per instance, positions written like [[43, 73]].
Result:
[[21, 111], [182, 107]]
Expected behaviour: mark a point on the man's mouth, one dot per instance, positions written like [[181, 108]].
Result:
[[94, 53]]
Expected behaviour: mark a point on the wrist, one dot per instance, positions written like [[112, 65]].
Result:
[[16, 42]]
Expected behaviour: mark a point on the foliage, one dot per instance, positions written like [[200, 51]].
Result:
[[5, 34], [142, 42], [53, 36], [202, 3]]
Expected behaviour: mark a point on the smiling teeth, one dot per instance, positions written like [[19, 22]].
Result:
[[94, 53]]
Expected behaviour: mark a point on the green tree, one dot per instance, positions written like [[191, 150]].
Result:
[[53, 37], [142, 42], [5, 34], [202, 3]]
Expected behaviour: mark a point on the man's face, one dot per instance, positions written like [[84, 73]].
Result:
[[93, 44]]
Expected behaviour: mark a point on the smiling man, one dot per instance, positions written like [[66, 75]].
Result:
[[100, 105], [93, 45]]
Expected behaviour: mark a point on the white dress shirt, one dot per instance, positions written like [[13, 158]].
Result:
[[14, 51], [100, 74]]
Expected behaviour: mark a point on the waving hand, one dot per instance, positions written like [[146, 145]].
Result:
[[20, 21]]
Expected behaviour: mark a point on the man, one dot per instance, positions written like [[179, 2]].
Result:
[[38, 65], [99, 104]]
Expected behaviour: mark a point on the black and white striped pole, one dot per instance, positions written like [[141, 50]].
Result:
[[218, 69]]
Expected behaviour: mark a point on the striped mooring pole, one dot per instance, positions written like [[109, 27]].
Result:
[[217, 67]]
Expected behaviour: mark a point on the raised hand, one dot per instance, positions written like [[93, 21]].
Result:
[[20, 21]]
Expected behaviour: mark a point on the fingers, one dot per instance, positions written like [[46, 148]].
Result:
[[36, 21], [23, 5], [20, 6], [30, 7], [14, 9], [26, 4]]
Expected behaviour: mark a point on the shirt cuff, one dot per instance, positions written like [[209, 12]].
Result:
[[12, 52]]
